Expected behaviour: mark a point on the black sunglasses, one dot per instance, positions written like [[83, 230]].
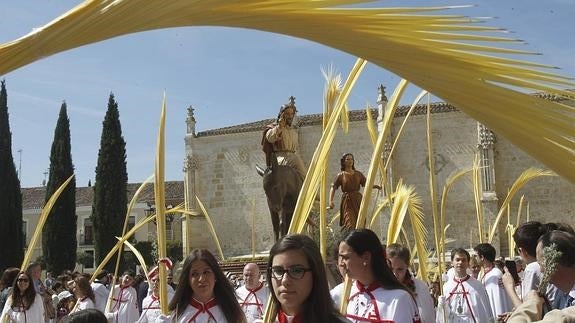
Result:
[[22, 280], [294, 272]]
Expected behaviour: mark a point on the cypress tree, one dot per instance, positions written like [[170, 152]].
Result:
[[11, 230], [59, 232], [110, 187]]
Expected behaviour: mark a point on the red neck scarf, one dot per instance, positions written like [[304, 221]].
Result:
[[283, 318]]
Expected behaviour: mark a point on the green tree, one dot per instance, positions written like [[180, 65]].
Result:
[[59, 232], [85, 259], [110, 188], [11, 229]]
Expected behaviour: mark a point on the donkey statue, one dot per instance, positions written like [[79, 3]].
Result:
[[281, 185]]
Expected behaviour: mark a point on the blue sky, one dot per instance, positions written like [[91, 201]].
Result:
[[229, 75]]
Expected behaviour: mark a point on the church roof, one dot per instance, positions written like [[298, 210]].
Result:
[[316, 119], [33, 197], [357, 115]]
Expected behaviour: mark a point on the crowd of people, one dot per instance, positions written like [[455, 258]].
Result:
[[383, 286]]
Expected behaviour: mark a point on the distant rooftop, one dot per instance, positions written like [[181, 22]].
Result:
[[34, 197]]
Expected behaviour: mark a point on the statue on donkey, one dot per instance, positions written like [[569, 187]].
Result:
[[285, 172]]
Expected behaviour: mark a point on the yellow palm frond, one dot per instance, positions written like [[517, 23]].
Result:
[[407, 202], [448, 183], [400, 131], [313, 176], [42, 220], [128, 235], [442, 53], [528, 175], [378, 149], [332, 90], [519, 209], [477, 191]]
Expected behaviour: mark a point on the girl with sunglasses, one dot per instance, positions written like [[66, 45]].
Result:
[[298, 284], [24, 304]]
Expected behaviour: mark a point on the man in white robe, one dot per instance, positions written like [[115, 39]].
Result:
[[464, 298], [124, 302], [491, 280], [253, 295]]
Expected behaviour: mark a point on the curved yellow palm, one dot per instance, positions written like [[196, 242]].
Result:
[[437, 52]]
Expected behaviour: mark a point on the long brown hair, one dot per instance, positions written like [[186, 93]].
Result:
[[224, 293], [365, 240], [25, 299], [319, 306], [83, 284]]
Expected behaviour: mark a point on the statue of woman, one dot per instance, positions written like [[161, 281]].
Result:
[[350, 181]]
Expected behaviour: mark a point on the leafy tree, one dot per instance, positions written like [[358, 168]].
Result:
[[85, 259], [11, 229], [110, 188], [59, 232]]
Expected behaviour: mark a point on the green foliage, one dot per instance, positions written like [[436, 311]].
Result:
[[110, 188], [59, 232], [11, 228], [145, 248], [175, 250], [85, 259]]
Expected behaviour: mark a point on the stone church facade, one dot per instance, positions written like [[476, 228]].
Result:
[[220, 169]]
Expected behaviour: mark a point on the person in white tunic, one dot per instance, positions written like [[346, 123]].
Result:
[[124, 302], [563, 277], [464, 298], [23, 305], [253, 295], [376, 295], [526, 237], [151, 309], [281, 138], [203, 294], [399, 259], [491, 280], [84, 294], [101, 292], [298, 282]]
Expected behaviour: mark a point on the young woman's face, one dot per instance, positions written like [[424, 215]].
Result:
[[202, 281], [292, 280], [399, 268], [350, 262], [23, 282]]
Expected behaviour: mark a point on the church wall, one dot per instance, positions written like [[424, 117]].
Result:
[[227, 182], [550, 198], [454, 139], [228, 185]]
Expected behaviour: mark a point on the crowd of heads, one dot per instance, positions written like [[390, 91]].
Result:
[[296, 274]]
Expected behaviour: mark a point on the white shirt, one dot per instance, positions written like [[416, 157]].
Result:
[[336, 294], [374, 304], [424, 301], [498, 299], [253, 302], [124, 306], [465, 301], [83, 303], [151, 309], [198, 312], [101, 292], [16, 314]]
